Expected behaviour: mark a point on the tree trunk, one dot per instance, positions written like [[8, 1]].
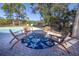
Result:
[[76, 25], [13, 23], [19, 22]]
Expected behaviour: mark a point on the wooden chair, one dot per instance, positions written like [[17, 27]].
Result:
[[61, 41], [16, 35], [27, 28]]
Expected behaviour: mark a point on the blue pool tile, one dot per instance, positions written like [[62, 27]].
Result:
[[37, 41]]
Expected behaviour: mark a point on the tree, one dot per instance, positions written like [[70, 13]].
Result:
[[20, 12], [12, 9], [76, 24], [51, 13]]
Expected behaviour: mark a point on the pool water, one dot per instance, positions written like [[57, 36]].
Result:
[[37, 41], [6, 29]]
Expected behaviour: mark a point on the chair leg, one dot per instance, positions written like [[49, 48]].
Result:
[[67, 42], [65, 48], [12, 40], [15, 37], [62, 46], [14, 44]]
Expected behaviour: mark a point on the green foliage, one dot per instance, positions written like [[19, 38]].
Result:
[[24, 22], [56, 15], [5, 22], [14, 8], [8, 22]]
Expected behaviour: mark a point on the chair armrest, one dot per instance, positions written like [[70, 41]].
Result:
[[55, 36]]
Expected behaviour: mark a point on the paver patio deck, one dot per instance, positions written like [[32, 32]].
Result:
[[21, 50]]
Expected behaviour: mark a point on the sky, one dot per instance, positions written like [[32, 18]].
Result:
[[29, 12]]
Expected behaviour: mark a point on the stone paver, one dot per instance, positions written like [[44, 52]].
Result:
[[21, 50]]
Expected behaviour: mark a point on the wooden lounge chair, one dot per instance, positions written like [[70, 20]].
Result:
[[56, 37], [62, 40], [27, 28], [18, 36]]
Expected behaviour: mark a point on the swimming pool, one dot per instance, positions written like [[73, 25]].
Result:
[[6, 29], [14, 29]]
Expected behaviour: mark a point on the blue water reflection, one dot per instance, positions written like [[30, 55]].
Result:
[[37, 40]]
